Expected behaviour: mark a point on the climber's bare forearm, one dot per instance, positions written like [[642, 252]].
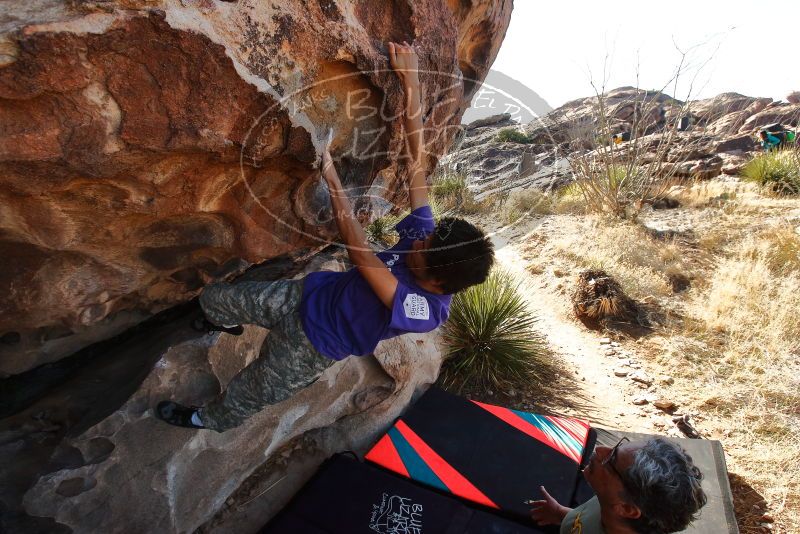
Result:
[[377, 275], [404, 61], [351, 231], [418, 183], [413, 116]]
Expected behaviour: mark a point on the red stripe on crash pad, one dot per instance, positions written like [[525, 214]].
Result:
[[522, 425], [385, 454], [451, 478]]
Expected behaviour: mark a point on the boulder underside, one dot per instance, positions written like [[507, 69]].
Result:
[[149, 147]]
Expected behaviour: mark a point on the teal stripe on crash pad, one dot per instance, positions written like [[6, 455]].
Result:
[[551, 430], [417, 468]]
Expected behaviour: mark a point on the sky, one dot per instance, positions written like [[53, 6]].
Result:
[[747, 47]]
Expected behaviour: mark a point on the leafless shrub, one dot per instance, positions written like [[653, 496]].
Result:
[[628, 169]]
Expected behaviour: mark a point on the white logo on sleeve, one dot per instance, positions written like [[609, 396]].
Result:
[[416, 307]]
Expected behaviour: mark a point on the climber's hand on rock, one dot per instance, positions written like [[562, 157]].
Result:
[[404, 61]]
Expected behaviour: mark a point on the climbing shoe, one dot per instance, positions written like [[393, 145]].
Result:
[[176, 414], [201, 324]]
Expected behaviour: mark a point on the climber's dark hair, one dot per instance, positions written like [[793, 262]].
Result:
[[460, 255]]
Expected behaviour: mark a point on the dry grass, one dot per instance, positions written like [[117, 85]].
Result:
[[526, 202], [749, 325], [640, 263], [732, 341]]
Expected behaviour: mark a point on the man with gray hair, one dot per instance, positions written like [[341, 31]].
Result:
[[646, 487]]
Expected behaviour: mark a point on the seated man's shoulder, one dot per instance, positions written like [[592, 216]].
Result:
[[585, 519]]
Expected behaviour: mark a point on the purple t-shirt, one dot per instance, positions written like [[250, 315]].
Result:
[[342, 316]]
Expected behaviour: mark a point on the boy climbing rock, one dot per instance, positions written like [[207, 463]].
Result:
[[329, 316]]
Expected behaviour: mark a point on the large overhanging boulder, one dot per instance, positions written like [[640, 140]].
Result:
[[90, 457], [148, 147]]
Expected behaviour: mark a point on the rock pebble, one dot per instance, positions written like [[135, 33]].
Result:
[[665, 405], [641, 378]]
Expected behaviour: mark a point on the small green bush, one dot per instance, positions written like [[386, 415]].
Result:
[[778, 170], [450, 194], [490, 337], [451, 185], [381, 230], [512, 135]]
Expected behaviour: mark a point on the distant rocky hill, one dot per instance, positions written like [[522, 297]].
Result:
[[712, 136]]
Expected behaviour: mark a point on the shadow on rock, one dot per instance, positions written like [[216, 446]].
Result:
[[41, 408]]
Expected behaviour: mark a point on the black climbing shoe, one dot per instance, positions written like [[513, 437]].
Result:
[[201, 324], [175, 414]]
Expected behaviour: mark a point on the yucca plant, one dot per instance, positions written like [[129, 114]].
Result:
[[381, 230], [490, 336], [778, 170]]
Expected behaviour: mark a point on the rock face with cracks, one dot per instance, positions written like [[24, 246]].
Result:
[[148, 147]]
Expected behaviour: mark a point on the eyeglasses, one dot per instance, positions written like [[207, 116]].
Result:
[[611, 459]]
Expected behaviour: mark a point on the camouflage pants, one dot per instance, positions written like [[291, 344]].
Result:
[[287, 362]]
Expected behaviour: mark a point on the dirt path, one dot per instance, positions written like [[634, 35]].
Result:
[[607, 399]]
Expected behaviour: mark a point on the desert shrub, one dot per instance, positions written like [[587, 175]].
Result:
[[438, 208], [615, 188], [381, 230], [471, 206], [450, 194], [621, 179], [449, 185], [528, 201], [490, 336], [598, 297], [513, 135], [777, 170]]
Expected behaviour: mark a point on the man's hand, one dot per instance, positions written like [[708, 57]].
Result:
[[548, 511], [405, 63]]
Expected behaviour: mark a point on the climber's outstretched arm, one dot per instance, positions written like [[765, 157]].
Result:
[[406, 64], [377, 275]]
